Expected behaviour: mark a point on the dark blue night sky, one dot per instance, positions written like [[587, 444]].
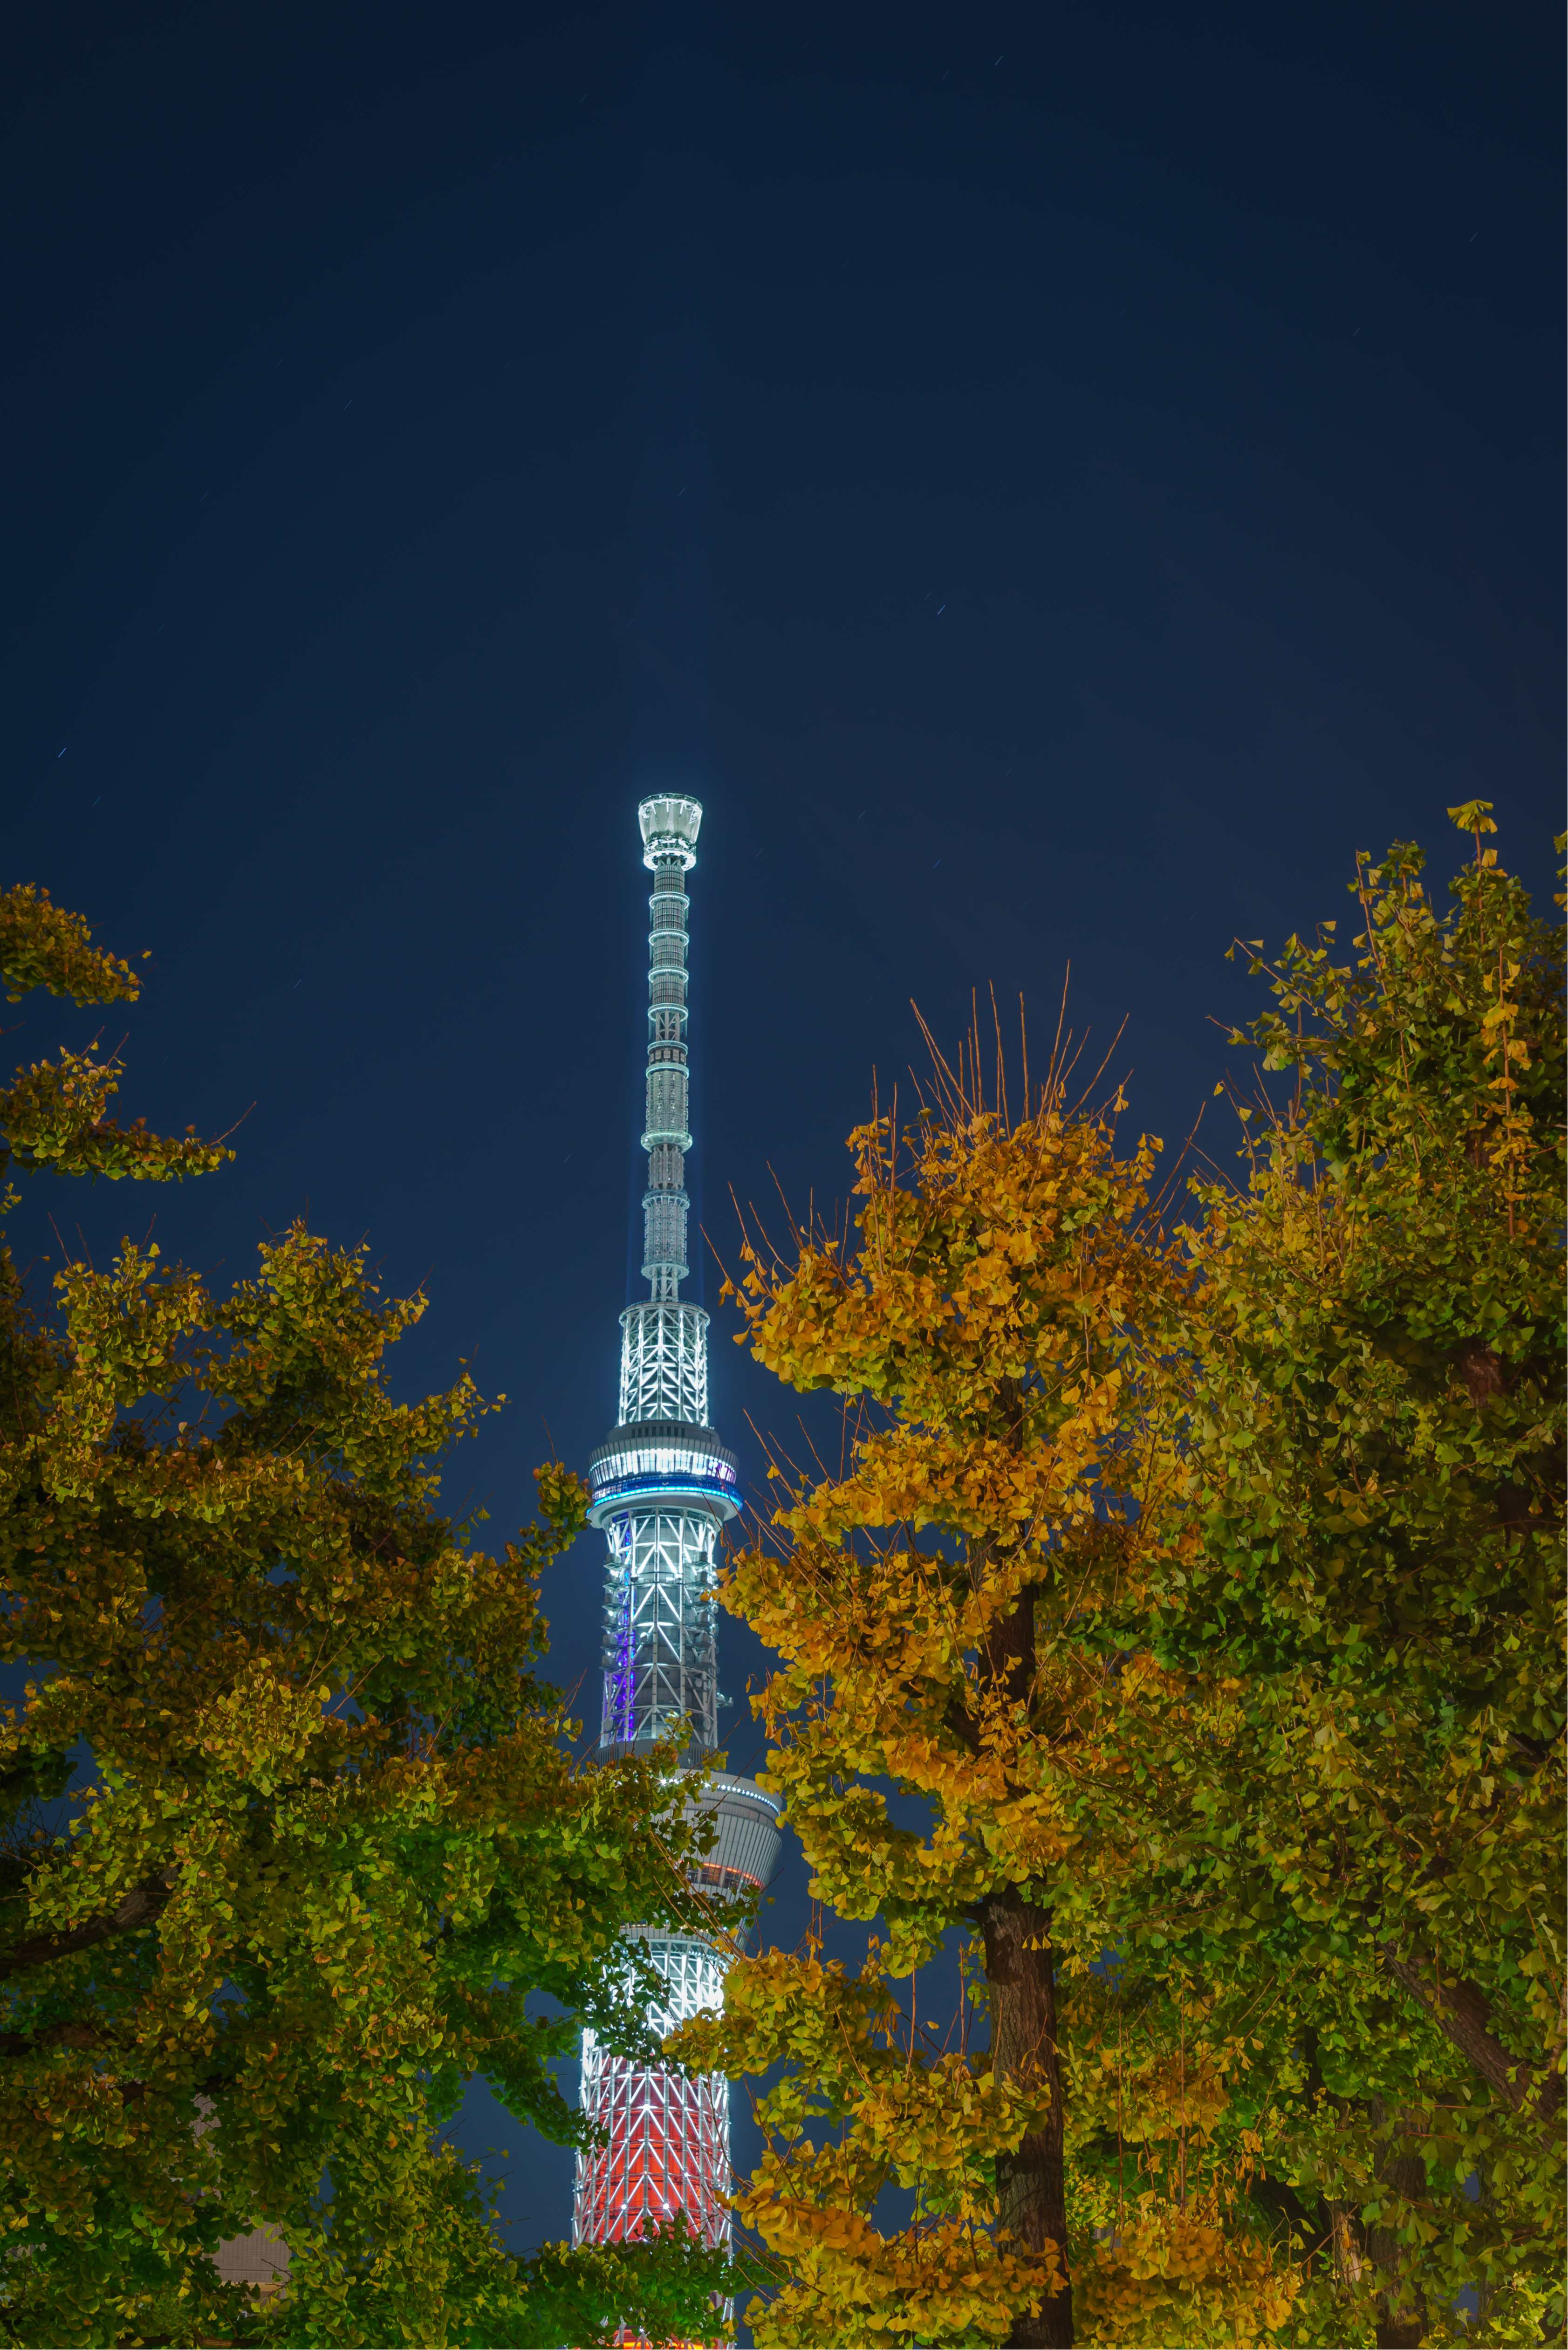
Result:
[[1055, 480]]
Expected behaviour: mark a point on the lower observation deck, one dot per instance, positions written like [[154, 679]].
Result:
[[662, 1464], [745, 1849]]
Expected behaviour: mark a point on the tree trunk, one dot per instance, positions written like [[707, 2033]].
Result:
[[1020, 1968], [1463, 2014], [1030, 2183], [1399, 2329], [1401, 2321]]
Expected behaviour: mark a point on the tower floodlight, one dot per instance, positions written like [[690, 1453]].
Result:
[[662, 1484]]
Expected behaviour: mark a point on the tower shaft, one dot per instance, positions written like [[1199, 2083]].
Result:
[[662, 1485]]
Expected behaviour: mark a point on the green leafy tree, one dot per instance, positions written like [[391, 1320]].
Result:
[[331, 1833], [1376, 1460], [1206, 1590]]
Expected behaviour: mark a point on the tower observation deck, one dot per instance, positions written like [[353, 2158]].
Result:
[[662, 1484]]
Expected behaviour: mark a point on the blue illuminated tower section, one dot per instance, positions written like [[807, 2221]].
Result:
[[662, 1485]]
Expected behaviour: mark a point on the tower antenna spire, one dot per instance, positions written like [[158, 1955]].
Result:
[[662, 1484]]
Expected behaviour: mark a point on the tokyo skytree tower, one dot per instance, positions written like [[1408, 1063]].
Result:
[[662, 1485]]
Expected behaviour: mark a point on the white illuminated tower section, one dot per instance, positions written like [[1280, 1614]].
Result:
[[662, 1485]]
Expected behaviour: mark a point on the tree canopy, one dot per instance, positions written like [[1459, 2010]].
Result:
[[1198, 1581], [327, 1833]]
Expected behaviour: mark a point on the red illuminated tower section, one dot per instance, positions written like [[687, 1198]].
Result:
[[662, 1486]]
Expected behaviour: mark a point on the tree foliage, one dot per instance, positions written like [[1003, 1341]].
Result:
[[1199, 1584], [327, 1833], [947, 1611], [1377, 1464]]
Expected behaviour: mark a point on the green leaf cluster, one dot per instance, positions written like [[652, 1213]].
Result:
[[327, 1832]]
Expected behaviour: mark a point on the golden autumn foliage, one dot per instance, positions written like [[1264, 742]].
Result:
[[947, 1613], [1184, 2273]]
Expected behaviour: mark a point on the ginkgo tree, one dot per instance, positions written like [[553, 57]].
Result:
[[1376, 1457], [1201, 1582], [292, 1827], [947, 1612]]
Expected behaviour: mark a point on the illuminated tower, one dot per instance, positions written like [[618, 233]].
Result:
[[662, 1485]]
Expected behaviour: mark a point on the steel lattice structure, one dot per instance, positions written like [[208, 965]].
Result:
[[662, 1485]]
